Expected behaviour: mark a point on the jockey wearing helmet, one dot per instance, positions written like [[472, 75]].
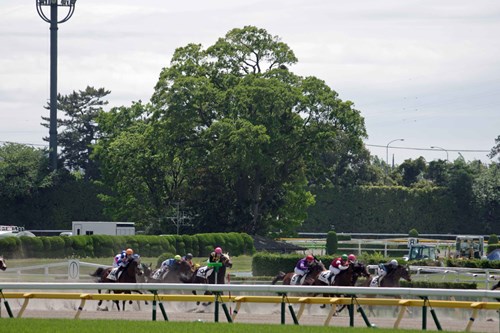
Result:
[[352, 258], [387, 268], [216, 255], [339, 264], [302, 266], [120, 262], [189, 259], [170, 264]]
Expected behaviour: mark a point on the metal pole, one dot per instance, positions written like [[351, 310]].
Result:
[[53, 87]]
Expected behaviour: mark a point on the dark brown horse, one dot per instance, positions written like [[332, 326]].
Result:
[[128, 275], [199, 275], [3, 265], [391, 280], [314, 270], [173, 275], [345, 278]]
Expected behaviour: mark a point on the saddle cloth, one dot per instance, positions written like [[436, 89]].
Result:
[[204, 272], [374, 281], [297, 279], [325, 277]]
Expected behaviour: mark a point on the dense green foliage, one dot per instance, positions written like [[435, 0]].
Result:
[[107, 246], [233, 140], [389, 210], [232, 133], [331, 242]]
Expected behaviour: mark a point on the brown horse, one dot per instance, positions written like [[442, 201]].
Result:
[[183, 268], [128, 275], [199, 275], [3, 265], [314, 270], [345, 278], [391, 280]]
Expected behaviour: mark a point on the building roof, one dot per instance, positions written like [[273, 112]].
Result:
[[270, 245]]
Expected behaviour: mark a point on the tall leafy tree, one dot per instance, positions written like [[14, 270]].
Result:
[[242, 131], [256, 128], [79, 128]]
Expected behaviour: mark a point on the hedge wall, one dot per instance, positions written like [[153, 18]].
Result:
[[199, 245]]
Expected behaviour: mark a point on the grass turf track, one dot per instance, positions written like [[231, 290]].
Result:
[[106, 326]]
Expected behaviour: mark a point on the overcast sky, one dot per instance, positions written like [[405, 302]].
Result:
[[424, 71]]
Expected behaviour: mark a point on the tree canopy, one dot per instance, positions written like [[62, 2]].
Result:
[[231, 132]]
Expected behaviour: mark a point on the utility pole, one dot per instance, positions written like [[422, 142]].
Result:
[[180, 219]]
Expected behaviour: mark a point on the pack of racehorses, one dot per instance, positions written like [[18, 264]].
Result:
[[136, 272]]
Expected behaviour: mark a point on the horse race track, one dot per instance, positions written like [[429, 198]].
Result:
[[249, 313]]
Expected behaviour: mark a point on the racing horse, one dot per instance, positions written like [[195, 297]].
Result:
[[200, 275], [345, 278], [391, 280], [182, 269], [128, 275], [3, 265], [315, 269]]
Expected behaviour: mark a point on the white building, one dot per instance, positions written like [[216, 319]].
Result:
[[103, 228]]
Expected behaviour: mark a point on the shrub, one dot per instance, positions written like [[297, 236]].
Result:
[[413, 233], [331, 242], [493, 239]]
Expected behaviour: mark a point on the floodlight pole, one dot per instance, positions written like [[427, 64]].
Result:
[[54, 4]]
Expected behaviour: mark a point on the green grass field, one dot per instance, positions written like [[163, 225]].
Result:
[[106, 326]]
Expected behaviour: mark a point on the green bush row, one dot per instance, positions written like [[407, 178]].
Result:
[[108, 246]]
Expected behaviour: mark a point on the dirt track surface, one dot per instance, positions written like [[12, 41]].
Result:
[[250, 313]]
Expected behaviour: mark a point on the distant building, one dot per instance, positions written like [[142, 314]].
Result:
[[103, 228]]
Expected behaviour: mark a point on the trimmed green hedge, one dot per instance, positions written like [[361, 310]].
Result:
[[199, 245]]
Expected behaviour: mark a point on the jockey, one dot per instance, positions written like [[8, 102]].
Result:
[[189, 259], [302, 266], [170, 264], [387, 268], [352, 258], [120, 262], [216, 255], [339, 264]]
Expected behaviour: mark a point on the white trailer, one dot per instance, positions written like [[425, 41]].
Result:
[[103, 228]]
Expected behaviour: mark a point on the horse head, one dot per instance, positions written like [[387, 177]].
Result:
[[404, 272], [361, 269], [3, 265], [226, 260], [317, 266]]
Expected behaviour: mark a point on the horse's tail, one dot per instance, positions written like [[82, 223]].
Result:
[[279, 277], [97, 273]]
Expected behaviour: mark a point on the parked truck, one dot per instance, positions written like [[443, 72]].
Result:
[[469, 247]]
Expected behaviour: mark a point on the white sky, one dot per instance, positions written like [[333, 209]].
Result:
[[427, 71]]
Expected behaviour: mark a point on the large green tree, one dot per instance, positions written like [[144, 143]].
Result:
[[23, 171], [236, 134], [78, 128]]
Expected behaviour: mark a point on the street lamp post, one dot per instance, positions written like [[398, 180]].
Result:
[[53, 20], [387, 150], [436, 147]]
